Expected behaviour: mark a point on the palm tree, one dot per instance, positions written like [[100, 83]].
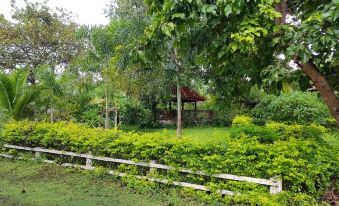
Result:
[[49, 88], [15, 94]]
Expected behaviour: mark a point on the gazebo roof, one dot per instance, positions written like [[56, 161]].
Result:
[[188, 95]]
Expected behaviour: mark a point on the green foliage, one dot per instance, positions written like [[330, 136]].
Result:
[[296, 107], [279, 131], [91, 115], [15, 94], [3, 117], [239, 39], [263, 134], [285, 132], [242, 121], [50, 92], [305, 165], [139, 116], [48, 37]]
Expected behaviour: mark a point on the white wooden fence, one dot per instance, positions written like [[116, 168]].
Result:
[[275, 184]]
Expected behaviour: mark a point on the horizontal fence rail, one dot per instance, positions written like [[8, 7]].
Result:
[[274, 183]]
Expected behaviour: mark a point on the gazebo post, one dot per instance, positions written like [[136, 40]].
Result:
[[187, 95]]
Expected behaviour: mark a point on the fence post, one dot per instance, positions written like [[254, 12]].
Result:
[[89, 162], [274, 189], [152, 169], [37, 154]]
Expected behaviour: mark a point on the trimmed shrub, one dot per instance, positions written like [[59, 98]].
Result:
[[296, 107], [263, 134], [285, 132], [242, 120], [279, 131], [305, 165]]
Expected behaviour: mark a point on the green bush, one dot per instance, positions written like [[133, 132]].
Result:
[[242, 120], [305, 165], [296, 107], [139, 116], [3, 117], [274, 131], [285, 132], [91, 115], [263, 134]]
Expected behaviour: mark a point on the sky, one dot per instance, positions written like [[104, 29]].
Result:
[[88, 12]]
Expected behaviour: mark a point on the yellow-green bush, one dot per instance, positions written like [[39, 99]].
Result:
[[295, 107], [242, 120], [285, 131], [304, 164]]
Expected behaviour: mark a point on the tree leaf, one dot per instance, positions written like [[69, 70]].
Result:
[[228, 10], [178, 15]]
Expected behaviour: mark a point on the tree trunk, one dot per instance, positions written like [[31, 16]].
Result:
[[310, 69], [52, 102], [323, 87], [116, 121], [107, 110], [179, 118], [31, 77], [52, 115], [282, 8], [179, 112], [154, 105]]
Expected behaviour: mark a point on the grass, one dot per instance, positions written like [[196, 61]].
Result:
[[196, 134], [36, 184], [218, 134]]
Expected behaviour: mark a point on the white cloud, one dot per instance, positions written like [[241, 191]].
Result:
[[88, 11]]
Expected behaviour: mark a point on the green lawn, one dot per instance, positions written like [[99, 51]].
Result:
[[197, 134], [217, 134], [31, 183]]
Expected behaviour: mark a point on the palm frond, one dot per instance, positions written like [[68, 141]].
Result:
[[7, 93], [19, 79], [22, 102]]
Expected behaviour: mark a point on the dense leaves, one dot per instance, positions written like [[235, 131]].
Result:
[[295, 107], [15, 94], [38, 36], [240, 38], [305, 165]]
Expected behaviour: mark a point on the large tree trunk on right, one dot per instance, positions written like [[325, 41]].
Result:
[[323, 87], [310, 69]]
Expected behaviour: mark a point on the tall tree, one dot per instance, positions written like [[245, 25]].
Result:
[[108, 52], [174, 51], [126, 9], [254, 33], [37, 36], [313, 44], [50, 90]]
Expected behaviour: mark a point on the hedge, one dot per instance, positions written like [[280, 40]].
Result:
[[305, 165], [295, 107]]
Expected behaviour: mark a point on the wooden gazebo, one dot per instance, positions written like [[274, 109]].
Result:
[[168, 116], [187, 95]]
